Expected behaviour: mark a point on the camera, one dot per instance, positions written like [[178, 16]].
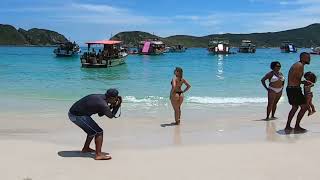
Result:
[[116, 103]]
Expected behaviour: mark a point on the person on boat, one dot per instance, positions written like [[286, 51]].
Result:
[[115, 52], [99, 57], [276, 83], [93, 54], [108, 51], [294, 93], [80, 114], [176, 93]]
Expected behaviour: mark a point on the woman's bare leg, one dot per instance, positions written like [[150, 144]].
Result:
[[175, 105], [181, 98], [274, 108], [271, 99]]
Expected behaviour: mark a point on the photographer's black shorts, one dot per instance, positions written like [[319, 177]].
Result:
[[87, 124], [295, 96]]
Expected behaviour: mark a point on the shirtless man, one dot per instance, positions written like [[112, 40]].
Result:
[[294, 93]]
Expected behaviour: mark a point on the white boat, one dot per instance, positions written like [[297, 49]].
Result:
[[219, 46], [315, 50], [288, 47], [247, 47], [67, 49], [111, 55]]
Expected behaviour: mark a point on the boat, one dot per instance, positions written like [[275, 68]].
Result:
[[177, 48], [67, 49], [151, 47], [247, 47], [315, 51], [167, 49], [219, 46], [288, 47], [110, 55], [133, 51]]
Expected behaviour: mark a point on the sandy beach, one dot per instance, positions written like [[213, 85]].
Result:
[[219, 62], [221, 143]]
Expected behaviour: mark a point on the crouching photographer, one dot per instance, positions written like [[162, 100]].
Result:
[[80, 114]]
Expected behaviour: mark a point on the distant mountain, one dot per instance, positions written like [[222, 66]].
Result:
[[132, 38], [301, 37], [9, 35]]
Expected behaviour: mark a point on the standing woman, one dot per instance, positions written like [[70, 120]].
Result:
[[276, 83], [176, 94]]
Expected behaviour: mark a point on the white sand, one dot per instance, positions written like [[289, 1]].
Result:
[[21, 159], [224, 143]]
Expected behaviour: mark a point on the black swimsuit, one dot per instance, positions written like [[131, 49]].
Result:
[[178, 92]]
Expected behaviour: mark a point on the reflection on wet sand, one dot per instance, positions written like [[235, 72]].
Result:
[[271, 132], [274, 135], [177, 135]]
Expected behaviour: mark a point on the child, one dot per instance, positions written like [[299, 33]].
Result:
[[311, 79]]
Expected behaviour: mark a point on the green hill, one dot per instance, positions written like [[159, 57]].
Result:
[[9, 35], [301, 37], [132, 38]]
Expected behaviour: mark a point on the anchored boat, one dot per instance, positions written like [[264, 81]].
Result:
[[67, 49], [177, 48], [151, 47], [247, 47], [111, 54], [219, 46], [288, 47], [315, 50]]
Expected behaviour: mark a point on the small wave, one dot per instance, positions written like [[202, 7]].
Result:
[[226, 100], [155, 100], [148, 99], [164, 101]]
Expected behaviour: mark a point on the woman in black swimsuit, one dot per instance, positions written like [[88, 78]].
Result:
[[176, 94]]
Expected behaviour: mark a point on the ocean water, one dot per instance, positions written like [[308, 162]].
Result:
[[35, 73]]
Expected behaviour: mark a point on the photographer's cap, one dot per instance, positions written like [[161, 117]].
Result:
[[112, 93]]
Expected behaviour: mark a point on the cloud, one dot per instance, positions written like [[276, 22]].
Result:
[[291, 14], [98, 8]]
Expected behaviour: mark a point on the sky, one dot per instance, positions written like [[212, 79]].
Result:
[[84, 20]]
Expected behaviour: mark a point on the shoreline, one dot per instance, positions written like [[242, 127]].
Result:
[[40, 46], [231, 124], [233, 47]]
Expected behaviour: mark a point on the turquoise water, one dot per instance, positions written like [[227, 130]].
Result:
[[35, 73]]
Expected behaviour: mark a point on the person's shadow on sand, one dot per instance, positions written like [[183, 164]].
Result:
[[285, 132], [76, 154], [266, 120], [168, 124]]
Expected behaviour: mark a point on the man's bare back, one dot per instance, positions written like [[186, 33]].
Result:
[[295, 74]]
